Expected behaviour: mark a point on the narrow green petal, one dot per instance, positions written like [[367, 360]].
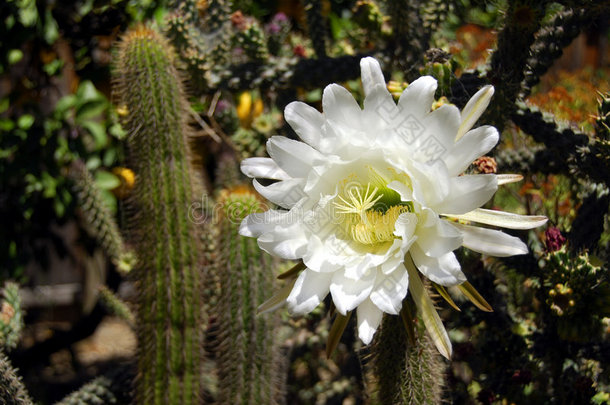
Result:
[[277, 300], [336, 331], [443, 292], [502, 219], [473, 295], [432, 321], [295, 270]]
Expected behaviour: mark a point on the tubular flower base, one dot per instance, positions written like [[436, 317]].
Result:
[[373, 197]]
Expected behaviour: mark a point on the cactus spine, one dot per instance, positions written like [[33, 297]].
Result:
[[12, 390], [99, 221], [248, 363], [413, 378], [169, 271]]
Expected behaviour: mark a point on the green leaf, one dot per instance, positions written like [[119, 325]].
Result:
[[106, 180], [117, 131], [87, 92], [64, 104], [51, 32], [4, 104], [25, 121], [6, 124], [14, 56], [98, 132]]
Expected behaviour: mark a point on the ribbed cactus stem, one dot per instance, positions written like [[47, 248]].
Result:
[[12, 390], [169, 268], [248, 362], [94, 392], [405, 373], [99, 221], [113, 387], [316, 25], [508, 62], [11, 316]]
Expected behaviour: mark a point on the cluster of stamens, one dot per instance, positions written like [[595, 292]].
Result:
[[364, 222]]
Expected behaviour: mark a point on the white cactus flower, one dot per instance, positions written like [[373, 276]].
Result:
[[372, 195]]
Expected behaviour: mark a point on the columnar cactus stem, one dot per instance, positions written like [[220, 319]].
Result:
[[549, 45], [12, 390], [405, 373], [99, 221], [509, 60], [316, 25], [169, 271], [248, 363]]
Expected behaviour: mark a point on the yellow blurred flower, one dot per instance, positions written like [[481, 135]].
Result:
[[248, 109], [128, 180]]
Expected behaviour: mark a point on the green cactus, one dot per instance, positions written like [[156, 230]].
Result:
[[99, 221], [116, 306], [549, 44], [252, 40], [113, 387], [576, 293], [12, 390], [11, 316], [316, 25], [169, 273], [93, 393], [508, 62], [248, 361], [405, 372], [602, 122], [408, 42]]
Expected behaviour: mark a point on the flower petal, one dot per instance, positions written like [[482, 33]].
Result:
[[491, 242], [285, 193], [371, 75], [438, 137], [508, 178], [369, 318], [390, 290], [263, 168], [339, 106], [444, 270], [258, 223], [348, 293], [503, 219], [474, 144], [473, 109], [439, 238], [417, 98], [289, 242], [380, 110], [309, 290], [319, 257], [468, 193], [296, 158], [306, 121]]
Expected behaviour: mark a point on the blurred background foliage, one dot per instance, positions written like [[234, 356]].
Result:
[[546, 342]]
